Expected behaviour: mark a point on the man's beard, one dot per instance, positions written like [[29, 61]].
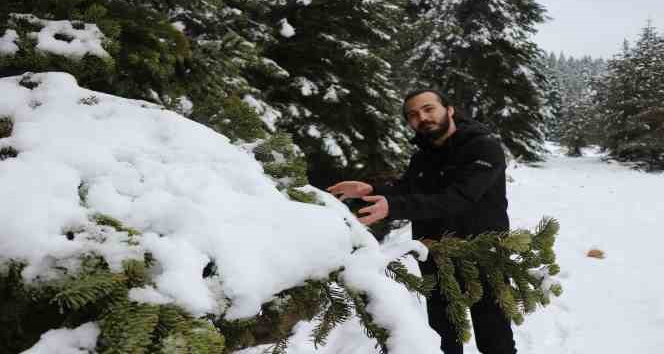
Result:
[[430, 134]]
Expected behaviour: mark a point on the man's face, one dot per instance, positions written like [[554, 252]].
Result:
[[427, 116]]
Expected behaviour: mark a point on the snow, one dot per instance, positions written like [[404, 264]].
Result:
[[267, 113], [307, 88], [184, 105], [609, 305], [83, 41], [7, 43], [192, 196], [148, 295], [286, 29], [313, 131], [179, 25], [81, 340]]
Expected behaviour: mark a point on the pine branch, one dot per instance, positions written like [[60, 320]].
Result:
[[128, 328], [398, 272], [88, 289], [450, 290], [514, 264], [371, 329], [338, 311]]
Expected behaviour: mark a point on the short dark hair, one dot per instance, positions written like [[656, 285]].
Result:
[[441, 98]]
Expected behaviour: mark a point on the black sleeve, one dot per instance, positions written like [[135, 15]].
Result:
[[483, 164], [398, 187]]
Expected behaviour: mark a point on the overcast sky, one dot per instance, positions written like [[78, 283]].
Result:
[[596, 27]]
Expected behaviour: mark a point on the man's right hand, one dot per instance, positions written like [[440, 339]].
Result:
[[350, 189]]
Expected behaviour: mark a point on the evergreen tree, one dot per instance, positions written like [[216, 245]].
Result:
[[632, 94], [480, 53], [338, 100], [578, 116], [553, 103], [577, 122]]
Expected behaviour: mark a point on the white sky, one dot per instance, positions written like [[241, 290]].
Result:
[[596, 27]]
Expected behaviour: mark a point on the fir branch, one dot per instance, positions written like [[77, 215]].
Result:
[[87, 289], [471, 278], [128, 328], [514, 264], [106, 220], [371, 329], [279, 347], [398, 272], [450, 291], [338, 311]]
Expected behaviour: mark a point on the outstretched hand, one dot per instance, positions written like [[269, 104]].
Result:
[[350, 189], [376, 212]]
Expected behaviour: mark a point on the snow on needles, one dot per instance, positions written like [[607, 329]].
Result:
[[194, 198], [7, 45], [74, 42], [286, 29], [81, 340]]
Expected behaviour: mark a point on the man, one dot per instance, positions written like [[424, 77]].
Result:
[[455, 183]]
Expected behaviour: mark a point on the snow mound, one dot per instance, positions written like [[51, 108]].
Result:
[[81, 340], [193, 198]]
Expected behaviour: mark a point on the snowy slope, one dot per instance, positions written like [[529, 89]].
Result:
[[609, 306]]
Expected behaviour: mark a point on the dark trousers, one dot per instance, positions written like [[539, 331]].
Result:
[[493, 333]]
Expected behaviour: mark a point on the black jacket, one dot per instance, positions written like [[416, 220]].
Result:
[[457, 188]]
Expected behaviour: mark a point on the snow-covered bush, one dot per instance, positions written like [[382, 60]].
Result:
[[169, 238]]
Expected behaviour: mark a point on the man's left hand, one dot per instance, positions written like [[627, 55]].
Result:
[[378, 211]]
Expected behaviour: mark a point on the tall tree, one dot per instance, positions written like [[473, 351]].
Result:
[[632, 91], [337, 99], [481, 54]]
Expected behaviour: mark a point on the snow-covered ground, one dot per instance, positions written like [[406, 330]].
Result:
[[610, 305]]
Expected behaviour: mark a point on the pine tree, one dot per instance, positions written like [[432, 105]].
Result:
[[632, 93], [579, 114], [553, 103], [480, 54], [338, 100], [578, 121]]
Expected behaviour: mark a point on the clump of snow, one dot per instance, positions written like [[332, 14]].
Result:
[[7, 43], [313, 131], [306, 86], [334, 92], [81, 340], [79, 43], [286, 29], [304, 2], [278, 70], [195, 199], [267, 113], [149, 295], [332, 147], [184, 105], [179, 25]]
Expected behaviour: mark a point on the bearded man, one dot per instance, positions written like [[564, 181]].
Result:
[[454, 185]]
